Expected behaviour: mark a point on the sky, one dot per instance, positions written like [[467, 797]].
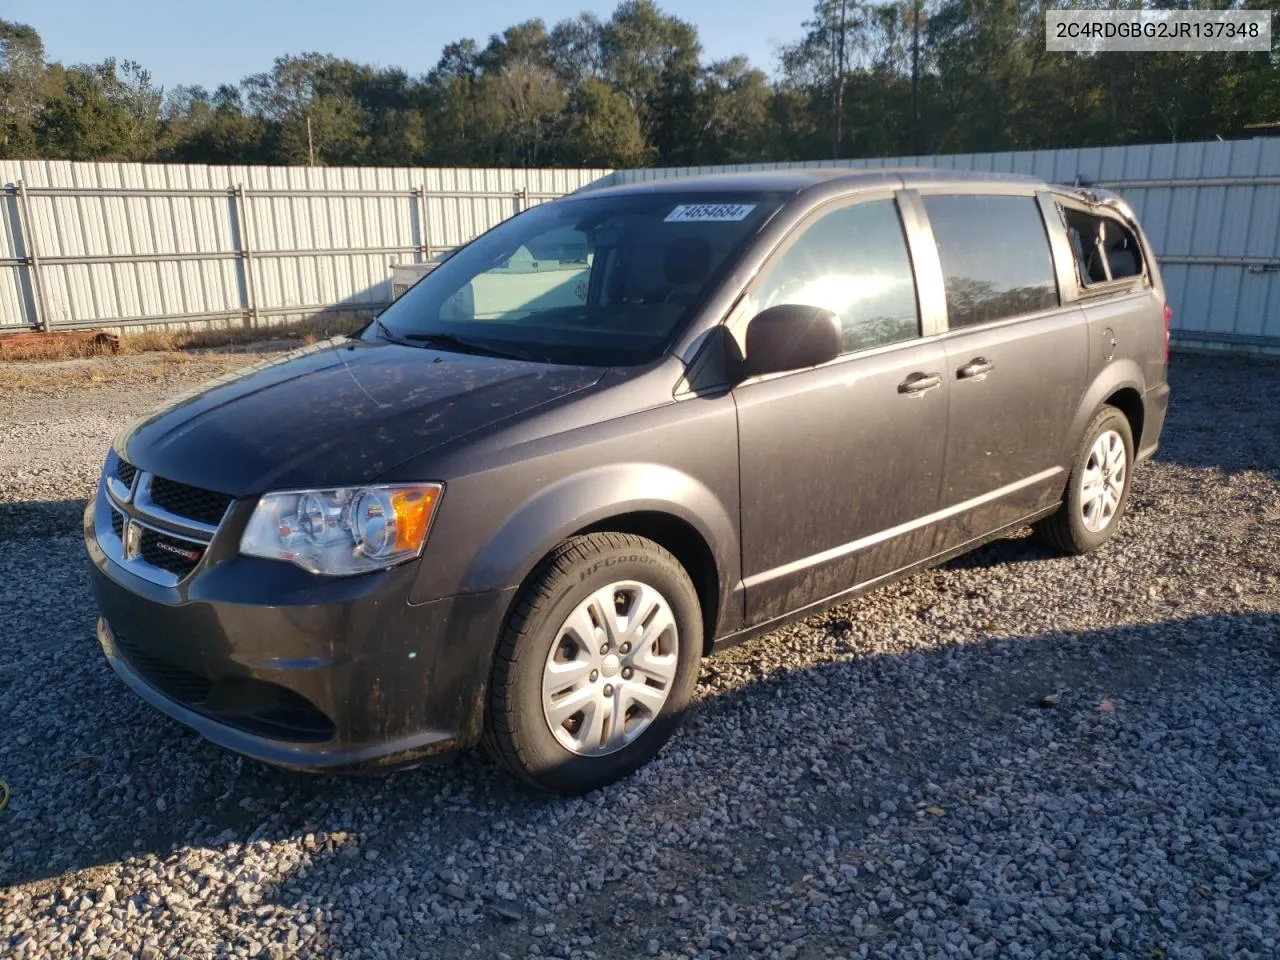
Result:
[[219, 41]]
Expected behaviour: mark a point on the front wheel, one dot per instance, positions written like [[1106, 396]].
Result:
[[1098, 488], [597, 665]]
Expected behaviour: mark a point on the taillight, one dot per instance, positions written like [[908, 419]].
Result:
[[1168, 322]]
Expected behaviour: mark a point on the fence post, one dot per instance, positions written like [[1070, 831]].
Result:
[[424, 247], [38, 304], [522, 199], [246, 254]]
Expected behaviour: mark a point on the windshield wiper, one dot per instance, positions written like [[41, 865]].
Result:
[[447, 341], [386, 331]]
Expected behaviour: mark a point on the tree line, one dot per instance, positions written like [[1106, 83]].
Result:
[[862, 80]]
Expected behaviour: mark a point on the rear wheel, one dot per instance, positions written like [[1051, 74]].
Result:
[[1098, 488], [597, 665]]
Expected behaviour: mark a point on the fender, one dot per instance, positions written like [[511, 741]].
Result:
[[1114, 376], [592, 496]]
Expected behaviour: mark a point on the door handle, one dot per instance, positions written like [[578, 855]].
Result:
[[975, 369], [919, 383]]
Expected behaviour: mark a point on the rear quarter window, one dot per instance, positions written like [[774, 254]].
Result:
[[1104, 248], [995, 257]]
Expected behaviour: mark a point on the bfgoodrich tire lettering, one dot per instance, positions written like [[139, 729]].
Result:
[[518, 720], [1085, 522]]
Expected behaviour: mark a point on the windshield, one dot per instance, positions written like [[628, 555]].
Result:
[[602, 281]]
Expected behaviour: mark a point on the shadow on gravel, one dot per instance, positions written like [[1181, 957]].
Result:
[[969, 710], [1022, 548], [40, 519], [98, 776]]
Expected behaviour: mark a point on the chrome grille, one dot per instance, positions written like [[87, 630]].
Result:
[[157, 528]]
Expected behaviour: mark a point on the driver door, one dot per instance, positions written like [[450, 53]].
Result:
[[841, 464]]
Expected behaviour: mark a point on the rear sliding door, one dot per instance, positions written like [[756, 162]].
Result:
[[1016, 361]]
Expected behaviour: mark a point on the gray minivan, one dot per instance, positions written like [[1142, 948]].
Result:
[[609, 435]]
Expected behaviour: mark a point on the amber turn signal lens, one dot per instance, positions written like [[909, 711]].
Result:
[[413, 509]]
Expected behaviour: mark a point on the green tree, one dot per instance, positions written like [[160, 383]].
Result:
[[736, 124], [107, 111], [314, 117], [530, 105], [864, 78], [451, 125], [652, 60], [821, 61], [213, 129], [985, 51], [517, 98], [575, 50], [603, 130], [25, 84]]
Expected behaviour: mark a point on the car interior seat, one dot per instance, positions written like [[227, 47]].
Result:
[[686, 264], [1121, 255]]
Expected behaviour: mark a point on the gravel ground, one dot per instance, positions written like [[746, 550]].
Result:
[[1015, 755]]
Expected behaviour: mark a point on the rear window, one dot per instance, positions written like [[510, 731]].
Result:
[[995, 257], [1104, 248]]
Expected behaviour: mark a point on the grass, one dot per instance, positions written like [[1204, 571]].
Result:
[[161, 341], [37, 378]]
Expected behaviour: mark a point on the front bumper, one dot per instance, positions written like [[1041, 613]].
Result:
[[296, 670]]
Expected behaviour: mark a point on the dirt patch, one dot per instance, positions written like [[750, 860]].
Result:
[[65, 346], [152, 370]]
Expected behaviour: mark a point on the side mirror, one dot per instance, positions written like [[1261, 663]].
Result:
[[791, 336]]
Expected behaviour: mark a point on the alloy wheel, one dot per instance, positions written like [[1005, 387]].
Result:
[[1102, 485]]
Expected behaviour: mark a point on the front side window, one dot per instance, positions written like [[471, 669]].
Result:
[[852, 261], [605, 280], [995, 257]]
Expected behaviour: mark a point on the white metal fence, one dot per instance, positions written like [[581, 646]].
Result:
[[117, 244], [1211, 210], [111, 244]]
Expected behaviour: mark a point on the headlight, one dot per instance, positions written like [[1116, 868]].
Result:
[[344, 531]]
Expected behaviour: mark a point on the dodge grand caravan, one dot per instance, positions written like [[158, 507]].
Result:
[[610, 434]]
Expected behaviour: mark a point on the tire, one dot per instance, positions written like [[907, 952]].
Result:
[[622, 724], [1078, 528]]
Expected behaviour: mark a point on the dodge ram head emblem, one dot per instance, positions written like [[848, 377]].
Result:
[[132, 540]]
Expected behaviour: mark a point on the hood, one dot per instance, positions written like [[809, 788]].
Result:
[[339, 412]]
